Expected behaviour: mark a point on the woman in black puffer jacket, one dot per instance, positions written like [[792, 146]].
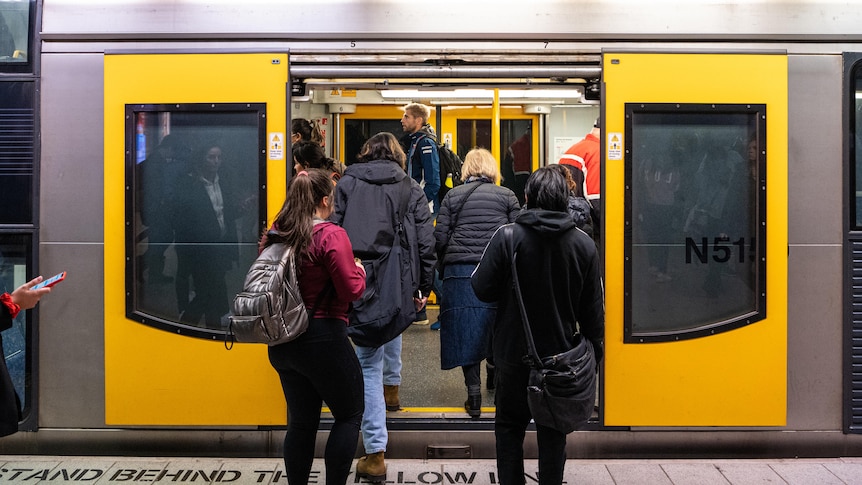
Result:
[[469, 215]]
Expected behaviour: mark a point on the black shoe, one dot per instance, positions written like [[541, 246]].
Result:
[[473, 405]]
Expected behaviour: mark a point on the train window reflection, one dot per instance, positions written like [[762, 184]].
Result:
[[856, 167], [16, 19], [196, 176], [695, 207]]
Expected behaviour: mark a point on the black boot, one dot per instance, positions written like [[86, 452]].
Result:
[[473, 405]]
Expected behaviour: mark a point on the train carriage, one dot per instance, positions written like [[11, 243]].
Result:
[[729, 207]]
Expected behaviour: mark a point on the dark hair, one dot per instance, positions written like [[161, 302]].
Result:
[[574, 177], [307, 130], [295, 220], [382, 146], [311, 155], [547, 189]]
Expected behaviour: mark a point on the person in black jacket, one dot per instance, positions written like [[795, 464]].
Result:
[[23, 298], [379, 179], [469, 216], [205, 208], [560, 279]]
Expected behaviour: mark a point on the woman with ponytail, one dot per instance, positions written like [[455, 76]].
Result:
[[320, 366]]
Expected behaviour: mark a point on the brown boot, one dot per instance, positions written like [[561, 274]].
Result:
[[390, 395], [372, 468]]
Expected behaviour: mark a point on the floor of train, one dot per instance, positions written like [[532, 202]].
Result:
[[424, 386], [23, 469]]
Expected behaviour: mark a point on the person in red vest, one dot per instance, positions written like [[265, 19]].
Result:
[[585, 155]]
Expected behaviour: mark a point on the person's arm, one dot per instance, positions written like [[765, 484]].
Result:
[[591, 316], [514, 207], [348, 277], [341, 190], [424, 239], [491, 277], [23, 298], [441, 228], [431, 169]]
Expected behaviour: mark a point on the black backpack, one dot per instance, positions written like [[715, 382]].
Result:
[[450, 164], [386, 307]]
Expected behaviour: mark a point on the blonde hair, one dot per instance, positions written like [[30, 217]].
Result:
[[480, 163]]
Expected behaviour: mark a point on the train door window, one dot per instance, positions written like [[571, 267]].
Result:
[[16, 34], [516, 150], [695, 210], [17, 151], [856, 168], [358, 131], [15, 270], [196, 185]]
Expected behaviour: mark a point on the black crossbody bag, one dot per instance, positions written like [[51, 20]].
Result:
[[561, 390]]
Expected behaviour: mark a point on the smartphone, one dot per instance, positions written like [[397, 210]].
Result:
[[50, 281], [418, 294]]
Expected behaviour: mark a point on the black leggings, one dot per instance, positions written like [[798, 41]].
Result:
[[320, 366]]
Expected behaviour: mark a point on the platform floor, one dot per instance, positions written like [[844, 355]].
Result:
[[20, 469]]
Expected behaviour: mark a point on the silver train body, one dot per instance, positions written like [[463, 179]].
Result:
[[443, 43]]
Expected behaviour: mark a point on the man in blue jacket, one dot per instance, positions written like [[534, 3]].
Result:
[[423, 161], [423, 164]]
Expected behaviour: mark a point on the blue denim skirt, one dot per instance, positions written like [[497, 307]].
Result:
[[465, 322]]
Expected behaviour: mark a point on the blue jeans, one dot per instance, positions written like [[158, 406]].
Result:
[[392, 362], [373, 362], [320, 366]]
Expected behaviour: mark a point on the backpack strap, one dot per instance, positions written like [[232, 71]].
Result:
[[403, 202], [413, 145]]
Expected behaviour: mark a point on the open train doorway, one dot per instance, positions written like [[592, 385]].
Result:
[[525, 126]]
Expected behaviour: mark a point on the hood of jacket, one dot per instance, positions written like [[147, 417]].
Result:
[[377, 172], [546, 222]]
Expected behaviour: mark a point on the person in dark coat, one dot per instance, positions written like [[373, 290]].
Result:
[[23, 298], [320, 365], [558, 268], [469, 216], [205, 209], [379, 176]]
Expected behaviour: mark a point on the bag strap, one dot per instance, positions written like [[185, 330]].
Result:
[[401, 212], [454, 220], [412, 150], [533, 356]]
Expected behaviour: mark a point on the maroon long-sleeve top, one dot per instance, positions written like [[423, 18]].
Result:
[[330, 257]]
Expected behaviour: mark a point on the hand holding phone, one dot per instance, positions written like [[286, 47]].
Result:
[[50, 281]]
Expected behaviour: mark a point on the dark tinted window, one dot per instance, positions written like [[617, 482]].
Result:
[[196, 175], [695, 209], [358, 131], [856, 167], [17, 148], [16, 35]]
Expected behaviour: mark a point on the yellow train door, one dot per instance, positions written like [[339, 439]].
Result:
[[695, 239]]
